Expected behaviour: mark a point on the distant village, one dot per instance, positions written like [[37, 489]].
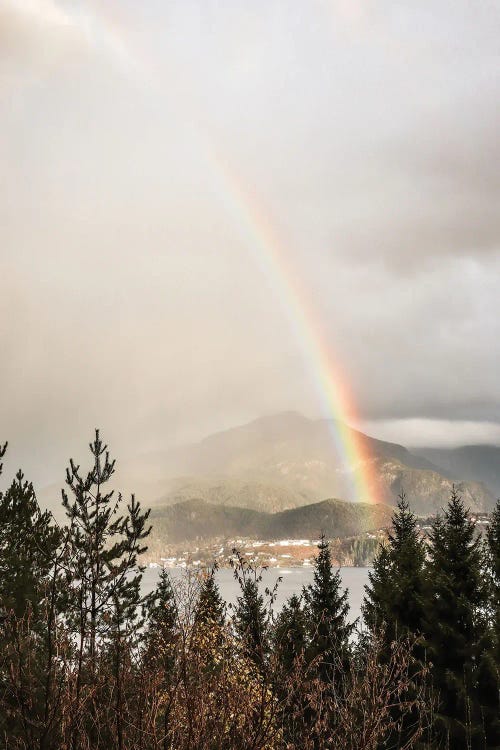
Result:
[[355, 551]]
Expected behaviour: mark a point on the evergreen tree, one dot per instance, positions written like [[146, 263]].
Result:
[[290, 634], [161, 631], [455, 626], [327, 608], [493, 552], [489, 665], [28, 543], [103, 573], [162, 608], [394, 596], [210, 607], [251, 616], [29, 600], [394, 602]]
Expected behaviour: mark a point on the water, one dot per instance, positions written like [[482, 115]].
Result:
[[292, 581]]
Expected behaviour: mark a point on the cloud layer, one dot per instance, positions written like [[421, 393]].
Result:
[[130, 293]]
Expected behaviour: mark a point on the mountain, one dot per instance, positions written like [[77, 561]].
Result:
[[196, 519], [475, 463], [286, 461]]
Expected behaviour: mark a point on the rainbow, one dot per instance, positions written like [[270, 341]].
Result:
[[335, 395], [331, 385]]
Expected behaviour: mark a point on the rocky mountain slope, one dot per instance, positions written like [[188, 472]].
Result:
[[474, 463]]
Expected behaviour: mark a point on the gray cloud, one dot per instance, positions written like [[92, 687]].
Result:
[[132, 292]]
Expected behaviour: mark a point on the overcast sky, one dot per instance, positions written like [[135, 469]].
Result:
[[131, 295]]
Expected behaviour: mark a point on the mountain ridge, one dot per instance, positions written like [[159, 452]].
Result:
[[197, 519], [286, 460]]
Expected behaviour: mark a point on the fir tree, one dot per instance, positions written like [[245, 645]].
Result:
[[394, 602], [210, 607], [394, 596], [455, 626], [489, 665], [290, 634], [251, 616], [161, 631], [327, 609], [493, 553]]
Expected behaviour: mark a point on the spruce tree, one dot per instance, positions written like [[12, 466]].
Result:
[[394, 603], [489, 665], [210, 608], [493, 553], [394, 597], [251, 616], [327, 609], [289, 636], [455, 626], [161, 630]]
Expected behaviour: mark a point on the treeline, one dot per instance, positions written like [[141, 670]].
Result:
[[88, 662]]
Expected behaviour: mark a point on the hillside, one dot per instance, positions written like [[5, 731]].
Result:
[[475, 463], [287, 461], [198, 520]]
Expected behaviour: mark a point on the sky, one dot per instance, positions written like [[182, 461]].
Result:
[[138, 143]]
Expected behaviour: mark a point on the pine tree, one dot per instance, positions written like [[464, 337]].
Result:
[[327, 609], [103, 573], [30, 597], [28, 543], [455, 626]]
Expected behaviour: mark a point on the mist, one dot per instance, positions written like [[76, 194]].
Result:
[[131, 297]]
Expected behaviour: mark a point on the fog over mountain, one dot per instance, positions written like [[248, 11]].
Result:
[[153, 155], [287, 461]]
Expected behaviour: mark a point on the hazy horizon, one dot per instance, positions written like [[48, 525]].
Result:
[[154, 157]]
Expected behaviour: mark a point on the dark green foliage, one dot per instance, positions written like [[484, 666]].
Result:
[[210, 607], [103, 579], [394, 596], [28, 541], [489, 667], [162, 608], [493, 555], [78, 670], [327, 608], [290, 634], [455, 627], [251, 616], [161, 631], [393, 605], [103, 576]]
